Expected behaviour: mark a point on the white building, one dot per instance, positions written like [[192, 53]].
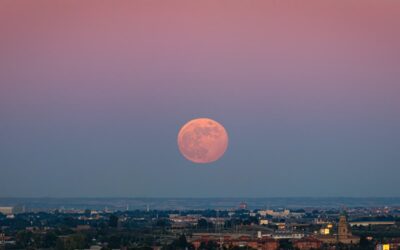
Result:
[[6, 210], [273, 213]]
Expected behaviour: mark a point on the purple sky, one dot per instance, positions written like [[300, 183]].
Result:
[[93, 93]]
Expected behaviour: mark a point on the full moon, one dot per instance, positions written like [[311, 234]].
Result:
[[202, 140]]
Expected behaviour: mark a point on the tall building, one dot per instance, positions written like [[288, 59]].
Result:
[[344, 233], [343, 230]]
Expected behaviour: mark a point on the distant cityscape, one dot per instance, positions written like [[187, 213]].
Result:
[[43, 204], [228, 223]]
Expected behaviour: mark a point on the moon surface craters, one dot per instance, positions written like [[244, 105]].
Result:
[[202, 140]]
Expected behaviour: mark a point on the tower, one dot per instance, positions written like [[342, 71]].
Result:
[[344, 233], [343, 230]]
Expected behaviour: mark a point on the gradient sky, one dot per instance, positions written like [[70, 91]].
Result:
[[93, 93]]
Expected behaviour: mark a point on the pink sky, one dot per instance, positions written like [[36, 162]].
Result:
[[320, 72]]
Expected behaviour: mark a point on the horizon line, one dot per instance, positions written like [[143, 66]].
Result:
[[202, 197]]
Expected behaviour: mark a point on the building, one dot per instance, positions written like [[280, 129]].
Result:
[[5, 240], [389, 245], [383, 247], [6, 210], [344, 233], [286, 235], [243, 205], [307, 244], [284, 213], [324, 231], [372, 223], [280, 225], [233, 240]]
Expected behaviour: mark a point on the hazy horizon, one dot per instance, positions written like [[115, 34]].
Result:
[[200, 197]]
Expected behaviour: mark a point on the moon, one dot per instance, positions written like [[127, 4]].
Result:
[[202, 140]]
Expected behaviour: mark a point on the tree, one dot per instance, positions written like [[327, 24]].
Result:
[[365, 244], [242, 248], [24, 239], [49, 240], [180, 243], [72, 242], [88, 212], [114, 241], [163, 223], [285, 244], [204, 224], [209, 245], [113, 221], [228, 224]]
